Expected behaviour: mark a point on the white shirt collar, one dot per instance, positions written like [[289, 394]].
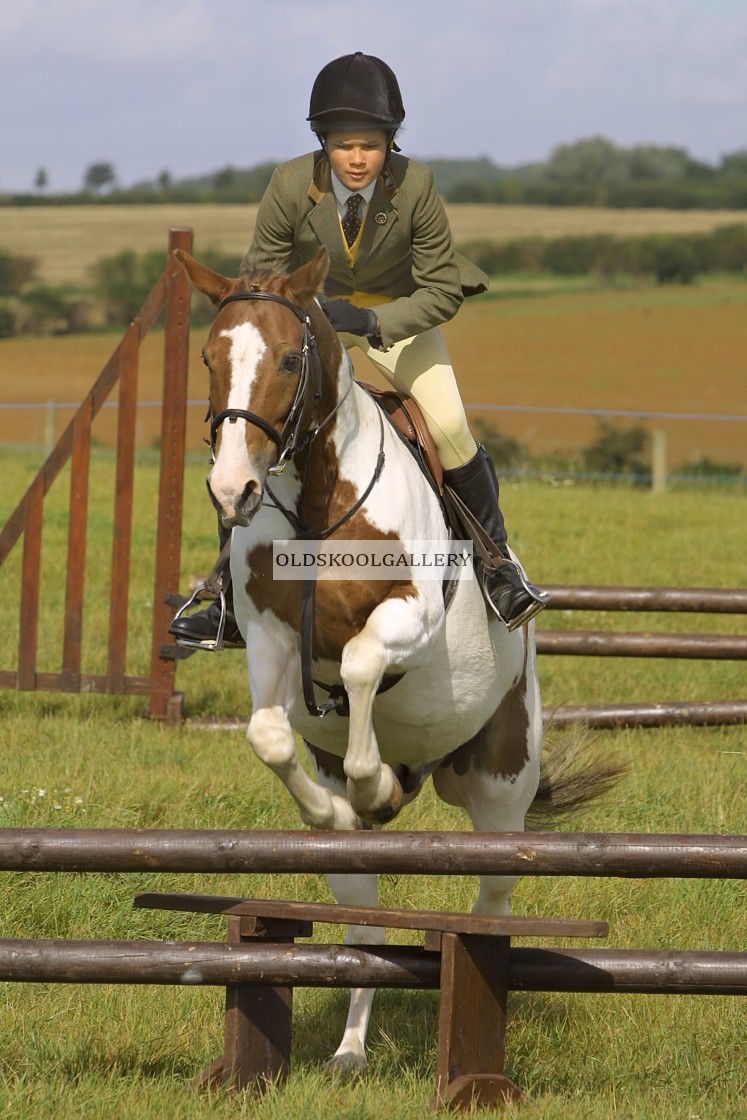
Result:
[[342, 193]]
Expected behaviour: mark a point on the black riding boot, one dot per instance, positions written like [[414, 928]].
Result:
[[201, 628], [507, 591]]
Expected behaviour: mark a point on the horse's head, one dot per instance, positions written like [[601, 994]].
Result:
[[265, 375]]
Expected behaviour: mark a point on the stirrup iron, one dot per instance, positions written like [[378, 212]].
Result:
[[214, 645], [538, 599]]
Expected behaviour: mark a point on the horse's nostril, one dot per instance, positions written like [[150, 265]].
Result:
[[250, 490]]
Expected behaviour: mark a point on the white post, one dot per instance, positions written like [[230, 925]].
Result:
[[50, 425], [659, 461]]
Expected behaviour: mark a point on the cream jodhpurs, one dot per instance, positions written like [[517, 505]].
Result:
[[421, 367]]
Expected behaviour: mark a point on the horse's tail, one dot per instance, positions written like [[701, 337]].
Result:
[[572, 773]]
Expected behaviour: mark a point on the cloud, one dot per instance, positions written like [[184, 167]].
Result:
[[194, 84], [91, 31]]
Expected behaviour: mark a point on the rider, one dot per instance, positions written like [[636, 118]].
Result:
[[394, 277]]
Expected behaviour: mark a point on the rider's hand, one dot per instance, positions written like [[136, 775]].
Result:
[[349, 319]]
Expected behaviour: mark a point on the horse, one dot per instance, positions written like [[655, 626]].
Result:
[[386, 683]]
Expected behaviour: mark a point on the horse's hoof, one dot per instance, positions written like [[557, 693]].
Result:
[[383, 815], [350, 1061], [379, 814]]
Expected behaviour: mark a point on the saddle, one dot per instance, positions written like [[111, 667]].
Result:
[[404, 413]]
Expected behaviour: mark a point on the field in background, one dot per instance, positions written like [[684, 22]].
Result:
[[86, 1052], [664, 349], [67, 240], [563, 534]]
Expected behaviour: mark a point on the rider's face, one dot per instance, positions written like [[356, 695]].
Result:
[[357, 158]]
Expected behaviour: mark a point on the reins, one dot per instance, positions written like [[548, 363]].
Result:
[[289, 442]]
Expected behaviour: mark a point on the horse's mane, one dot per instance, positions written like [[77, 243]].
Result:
[[258, 275]]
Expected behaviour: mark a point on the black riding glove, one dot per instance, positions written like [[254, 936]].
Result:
[[349, 319]]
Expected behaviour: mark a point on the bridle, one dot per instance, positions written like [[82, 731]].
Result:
[[289, 442]]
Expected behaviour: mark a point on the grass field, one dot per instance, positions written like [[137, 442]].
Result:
[[87, 1052], [677, 349], [67, 240]]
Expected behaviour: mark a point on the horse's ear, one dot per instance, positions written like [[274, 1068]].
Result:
[[211, 284], [308, 280]]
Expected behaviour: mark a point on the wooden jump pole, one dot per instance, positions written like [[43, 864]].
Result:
[[701, 600], [620, 855], [165, 703], [342, 966], [685, 713], [602, 643]]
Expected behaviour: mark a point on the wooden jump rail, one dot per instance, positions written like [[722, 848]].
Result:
[[171, 293], [469, 958], [619, 855], [591, 643]]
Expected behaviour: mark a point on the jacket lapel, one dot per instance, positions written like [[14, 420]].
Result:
[[323, 217], [381, 217]]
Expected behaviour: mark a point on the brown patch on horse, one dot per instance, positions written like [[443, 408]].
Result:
[[341, 607], [500, 747]]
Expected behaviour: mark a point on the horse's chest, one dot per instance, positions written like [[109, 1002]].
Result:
[[341, 607], [438, 706]]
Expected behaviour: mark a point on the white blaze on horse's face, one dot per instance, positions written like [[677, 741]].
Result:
[[235, 481]]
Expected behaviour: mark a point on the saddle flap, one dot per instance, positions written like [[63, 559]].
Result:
[[404, 412]]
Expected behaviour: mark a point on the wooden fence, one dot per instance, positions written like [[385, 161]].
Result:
[[170, 294], [597, 643], [468, 957]]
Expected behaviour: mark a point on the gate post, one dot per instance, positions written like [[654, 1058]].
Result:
[[164, 703]]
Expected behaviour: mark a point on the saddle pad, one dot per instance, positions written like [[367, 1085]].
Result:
[[404, 412]]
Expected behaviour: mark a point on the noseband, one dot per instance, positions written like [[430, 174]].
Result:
[[289, 441]]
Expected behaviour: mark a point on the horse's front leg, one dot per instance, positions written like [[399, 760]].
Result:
[[392, 636], [274, 680], [351, 890]]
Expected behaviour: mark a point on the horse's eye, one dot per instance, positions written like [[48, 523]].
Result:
[[292, 363]]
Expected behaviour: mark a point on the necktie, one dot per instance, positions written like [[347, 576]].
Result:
[[351, 222]]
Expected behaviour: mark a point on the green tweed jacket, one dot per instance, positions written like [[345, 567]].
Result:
[[405, 251]]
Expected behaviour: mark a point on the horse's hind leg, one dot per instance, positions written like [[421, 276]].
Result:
[[356, 890], [350, 890], [494, 777]]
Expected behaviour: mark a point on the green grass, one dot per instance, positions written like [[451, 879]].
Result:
[[83, 761]]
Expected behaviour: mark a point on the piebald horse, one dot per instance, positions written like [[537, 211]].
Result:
[[463, 706]]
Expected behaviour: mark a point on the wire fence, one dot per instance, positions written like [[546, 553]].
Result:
[[657, 473]]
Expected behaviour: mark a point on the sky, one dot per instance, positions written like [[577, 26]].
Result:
[[191, 86]]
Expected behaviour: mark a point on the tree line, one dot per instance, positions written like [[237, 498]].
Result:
[[118, 285], [590, 172]]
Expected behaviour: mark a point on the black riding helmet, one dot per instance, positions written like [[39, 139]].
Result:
[[355, 91]]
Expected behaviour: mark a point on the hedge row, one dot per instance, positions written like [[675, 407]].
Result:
[[619, 451], [670, 258], [628, 195], [120, 284]]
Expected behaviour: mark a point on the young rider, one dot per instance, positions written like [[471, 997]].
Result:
[[394, 278]]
